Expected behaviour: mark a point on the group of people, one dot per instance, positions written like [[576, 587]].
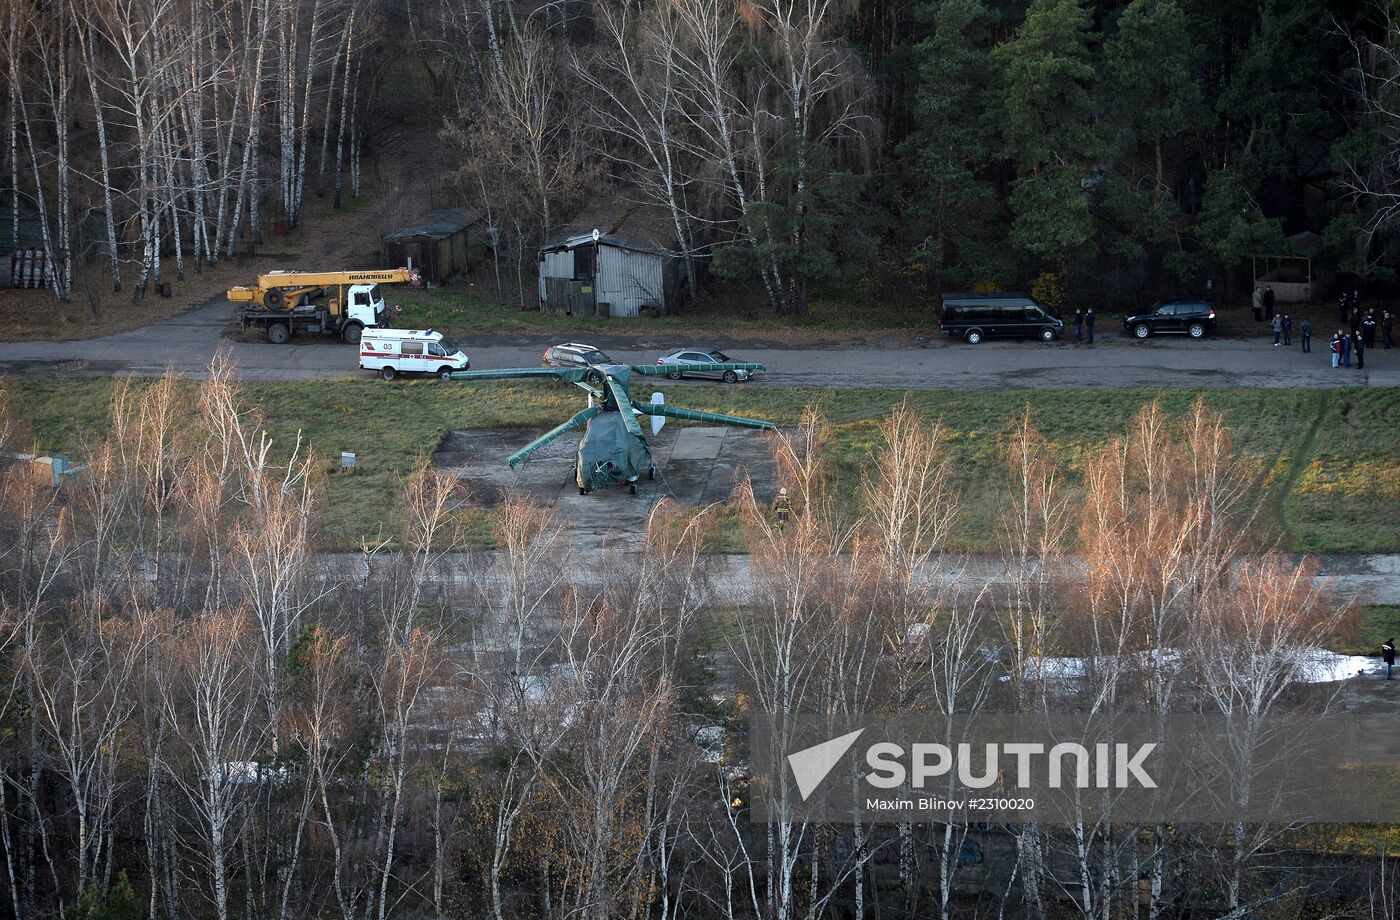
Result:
[[1084, 320], [1283, 331], [1366, 323], [1345, 345], [1358, 330], [1357, 333]]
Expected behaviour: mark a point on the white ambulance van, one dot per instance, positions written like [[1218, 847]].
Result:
[[410, 351]]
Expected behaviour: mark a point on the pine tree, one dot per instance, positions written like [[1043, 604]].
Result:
[[119, 903], [1050, 128], [953, 213], [1151, 96], [1149, 81]]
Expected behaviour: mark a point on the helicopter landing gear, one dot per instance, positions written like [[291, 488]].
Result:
[[582, 490], [632, 488]]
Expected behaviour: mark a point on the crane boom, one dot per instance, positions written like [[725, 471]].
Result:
[[288, 285], [344, 303]]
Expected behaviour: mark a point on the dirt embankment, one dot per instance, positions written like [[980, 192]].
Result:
[[326, 239]]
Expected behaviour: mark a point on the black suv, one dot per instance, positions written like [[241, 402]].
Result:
[[1192, 317], [977, 316]]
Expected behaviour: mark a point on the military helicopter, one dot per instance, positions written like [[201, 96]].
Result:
[[613, 450]]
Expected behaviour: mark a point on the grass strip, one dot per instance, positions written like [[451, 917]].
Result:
[[1333, 486]]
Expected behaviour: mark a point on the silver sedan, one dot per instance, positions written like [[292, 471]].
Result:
[[704, 356]]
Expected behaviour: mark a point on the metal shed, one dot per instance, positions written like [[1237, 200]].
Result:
[[603, 274], [439, 245]]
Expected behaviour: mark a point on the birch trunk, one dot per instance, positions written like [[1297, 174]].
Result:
[[12, 118], [330, 107], [172, 194], [344, 99], [223, 235], [85, 40], [299, 170], [355, 134], [248, 173], [59, 94], [39, 197]]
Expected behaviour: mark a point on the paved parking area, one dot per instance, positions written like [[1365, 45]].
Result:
[[187, 343]]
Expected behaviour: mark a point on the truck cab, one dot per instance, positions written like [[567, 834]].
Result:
[[364, 304], [349, 309]]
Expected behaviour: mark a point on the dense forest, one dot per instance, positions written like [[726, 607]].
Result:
[[1094, 150]]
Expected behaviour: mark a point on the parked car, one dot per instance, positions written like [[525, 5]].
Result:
[[974, 317], [704, 356], [410, 351], [574, 354], [1189, 317]]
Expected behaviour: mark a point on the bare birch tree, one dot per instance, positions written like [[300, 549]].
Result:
[[1034, 528], [219, 724], [635, 101], [1250, 646]]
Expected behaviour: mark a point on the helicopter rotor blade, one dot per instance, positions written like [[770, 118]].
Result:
[[624, 401], [579, 419], [663, 370], [695, 415], [566, 374]]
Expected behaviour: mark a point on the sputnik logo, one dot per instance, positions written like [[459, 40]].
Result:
[[811, 765]]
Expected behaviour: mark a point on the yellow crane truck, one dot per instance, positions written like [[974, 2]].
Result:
[[284, 303]]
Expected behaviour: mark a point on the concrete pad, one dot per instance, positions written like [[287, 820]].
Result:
[[698, 443], [696, 466], [478, 456]]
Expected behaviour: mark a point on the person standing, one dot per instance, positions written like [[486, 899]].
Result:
[[1305, 331], [1368, 328], [1388, 653], [1078, 324], [1268, 303], [1257, 302], [1346, 349], [1358, 345], [1089, 324], [1336, 346], [1387, 327], [1354, 320], [1277, 323], [1343, 306], [1287, 330], [782, 507]]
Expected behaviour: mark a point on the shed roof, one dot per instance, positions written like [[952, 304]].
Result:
[[436, 225], [570, 240], [623, 224]]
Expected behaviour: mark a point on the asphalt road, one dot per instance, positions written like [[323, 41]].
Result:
[[187, 343], [1360, 579]]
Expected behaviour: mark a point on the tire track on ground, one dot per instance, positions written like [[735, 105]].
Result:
[[1298, 463]]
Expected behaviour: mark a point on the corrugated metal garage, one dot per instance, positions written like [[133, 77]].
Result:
[[603, 274]]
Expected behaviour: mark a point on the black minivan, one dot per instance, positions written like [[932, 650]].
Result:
[[977, 316]]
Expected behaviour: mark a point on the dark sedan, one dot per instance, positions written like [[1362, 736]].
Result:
[[1188, 317]]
